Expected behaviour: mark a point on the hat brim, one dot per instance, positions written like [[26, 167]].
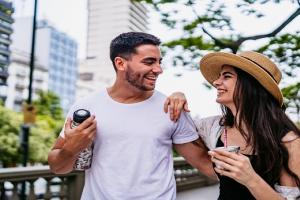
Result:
[[211, 66]]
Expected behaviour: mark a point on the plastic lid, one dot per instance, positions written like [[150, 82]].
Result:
[[80, 115]]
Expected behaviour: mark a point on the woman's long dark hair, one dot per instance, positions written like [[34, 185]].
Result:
[[265, 123]]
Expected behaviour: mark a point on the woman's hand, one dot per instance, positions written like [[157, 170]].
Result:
[[174, 104], [234, 165]]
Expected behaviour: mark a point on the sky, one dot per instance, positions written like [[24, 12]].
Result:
[[70, 16]]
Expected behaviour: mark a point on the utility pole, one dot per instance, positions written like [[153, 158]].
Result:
[[28, 108]]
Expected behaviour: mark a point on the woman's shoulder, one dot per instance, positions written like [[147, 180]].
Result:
[[290, 137], [208, 120], [292, 143], [208, 129], [208, 124]]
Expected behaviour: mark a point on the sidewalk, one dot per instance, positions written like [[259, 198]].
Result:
[[204, 193]]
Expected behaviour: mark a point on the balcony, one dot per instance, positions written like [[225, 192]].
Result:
[[20, 86], [18, 100], [4, 51], [4, 60], [4, 40], [42, 184], [3, 72], [6, 17], [5, 29], [6, 6]]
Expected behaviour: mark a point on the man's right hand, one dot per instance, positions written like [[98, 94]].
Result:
[[65, 151], [80, 137]]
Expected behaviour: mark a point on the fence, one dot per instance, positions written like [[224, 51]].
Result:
[[42, 184]]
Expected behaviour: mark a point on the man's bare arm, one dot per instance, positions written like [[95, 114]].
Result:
[[64, 153], [61, 161], [195, 153]]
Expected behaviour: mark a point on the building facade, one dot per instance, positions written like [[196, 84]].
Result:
[[18, 80], [106, 20], [61, 58], [55, 50], [6, 21]]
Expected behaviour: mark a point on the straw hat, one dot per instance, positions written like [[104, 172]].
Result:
[[255, 64]]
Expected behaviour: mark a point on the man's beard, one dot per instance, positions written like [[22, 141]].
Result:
[[134, 78]]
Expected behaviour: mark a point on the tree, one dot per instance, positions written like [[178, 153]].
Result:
[[208, 26], [292, 95], [47, 127], [42, 134], [48, 104], [42, 138], [9, 136], [198, 21]]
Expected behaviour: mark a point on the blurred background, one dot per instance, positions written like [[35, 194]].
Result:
[[53, 52]]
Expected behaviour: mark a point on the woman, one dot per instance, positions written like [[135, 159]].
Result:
[[268, 163]]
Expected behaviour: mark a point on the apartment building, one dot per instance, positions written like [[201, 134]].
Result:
[[56, 51], [6, 21], [106, 20]]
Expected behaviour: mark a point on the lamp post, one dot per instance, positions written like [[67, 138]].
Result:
[[28, 109]]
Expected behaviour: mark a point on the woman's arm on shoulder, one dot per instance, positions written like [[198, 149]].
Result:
[[174, 104]]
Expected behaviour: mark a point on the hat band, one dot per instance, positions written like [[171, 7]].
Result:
[[260, 67]]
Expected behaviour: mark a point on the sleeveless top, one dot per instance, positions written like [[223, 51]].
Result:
[[231, 189]]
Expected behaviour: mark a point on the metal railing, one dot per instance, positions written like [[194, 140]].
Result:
[[42, 184], [188, 177]]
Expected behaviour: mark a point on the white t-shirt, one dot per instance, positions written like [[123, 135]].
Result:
[[132, 156]]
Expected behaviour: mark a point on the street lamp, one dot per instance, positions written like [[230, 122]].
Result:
[[28, 108]]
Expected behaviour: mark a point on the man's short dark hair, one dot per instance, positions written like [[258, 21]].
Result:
[[124, 44]]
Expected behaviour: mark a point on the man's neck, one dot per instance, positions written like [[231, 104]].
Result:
[[127, 95]]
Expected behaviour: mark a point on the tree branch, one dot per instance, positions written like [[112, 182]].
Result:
[[273, 33], [234, 46], [217, 41]]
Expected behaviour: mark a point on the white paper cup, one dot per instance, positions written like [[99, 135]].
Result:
[[233, 149]]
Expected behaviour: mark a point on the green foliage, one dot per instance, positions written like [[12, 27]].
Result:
[[47, 127], [48, 104], [285, 50], [208, 27], [292, 98], [190, 43], [42, 138], [175, 154], [298, 124], [9, 136], [42, 134]]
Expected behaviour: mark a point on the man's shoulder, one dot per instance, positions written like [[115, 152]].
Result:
[[159, 95], [90, 98]]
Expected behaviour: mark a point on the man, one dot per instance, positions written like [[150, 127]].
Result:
[[133, 137]]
